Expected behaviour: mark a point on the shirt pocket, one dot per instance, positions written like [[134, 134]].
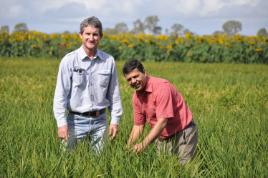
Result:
[[79, 79], [103, 78]]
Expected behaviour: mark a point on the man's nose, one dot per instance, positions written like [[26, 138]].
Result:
[[91, 37], [133, 80]]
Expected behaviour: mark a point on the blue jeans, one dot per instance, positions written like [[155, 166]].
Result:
[[80, 127]]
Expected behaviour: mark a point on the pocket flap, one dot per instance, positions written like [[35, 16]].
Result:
[[104, 72]]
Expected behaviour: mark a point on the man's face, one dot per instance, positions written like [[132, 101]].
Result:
[[136, 79], [90, 38]]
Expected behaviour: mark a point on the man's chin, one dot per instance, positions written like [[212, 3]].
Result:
[[138, 88], [91, 46], [135, 88]]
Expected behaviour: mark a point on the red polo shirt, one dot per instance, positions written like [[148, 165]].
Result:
[[160, 99]]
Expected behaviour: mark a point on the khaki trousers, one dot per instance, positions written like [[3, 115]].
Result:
[[182, 143]]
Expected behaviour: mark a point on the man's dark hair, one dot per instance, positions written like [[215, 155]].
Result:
[[91, 21], [132, 64]]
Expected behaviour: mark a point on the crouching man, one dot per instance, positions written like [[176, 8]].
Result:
[[157, 102]]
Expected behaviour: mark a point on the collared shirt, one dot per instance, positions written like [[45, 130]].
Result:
[[86, 85], [160, 99]]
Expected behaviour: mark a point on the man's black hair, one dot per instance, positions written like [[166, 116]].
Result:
[[132, 64]]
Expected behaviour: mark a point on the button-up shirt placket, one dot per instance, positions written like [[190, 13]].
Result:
[[91, 83]]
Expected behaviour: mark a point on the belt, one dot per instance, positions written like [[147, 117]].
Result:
[[95, 113], [170, 137]]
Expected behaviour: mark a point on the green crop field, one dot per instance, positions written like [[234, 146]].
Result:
[[229, 103]]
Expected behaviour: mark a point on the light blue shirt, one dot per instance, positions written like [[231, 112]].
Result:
[[86, 85]]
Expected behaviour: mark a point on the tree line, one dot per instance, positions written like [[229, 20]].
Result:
[[150, 26]]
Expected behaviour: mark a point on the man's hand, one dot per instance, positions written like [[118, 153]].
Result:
[[63, 132], [153, 134], [138, 148], [113, 131]]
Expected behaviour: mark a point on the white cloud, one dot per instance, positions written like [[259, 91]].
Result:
[[209, 7], [93, 4], [51, 4], [100, 5], [188, 7], [15, 11], [58, 14], [244, 2]]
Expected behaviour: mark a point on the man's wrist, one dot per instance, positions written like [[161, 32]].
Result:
[[61, 123], [145, 143], [115, 120]]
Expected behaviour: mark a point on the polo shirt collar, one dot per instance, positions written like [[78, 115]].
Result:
[[82, 54], [148, 86]]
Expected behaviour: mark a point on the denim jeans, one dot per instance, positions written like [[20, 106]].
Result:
[[80, 127]]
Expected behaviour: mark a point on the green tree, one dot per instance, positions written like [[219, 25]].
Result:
[[232, 27], [121, 27], [157, 30], [177, 29], [118, 28], [138, 27], [262, 32], [4, 29], [21, 27], [66, 32], [150, 24], [110, 31], [218, 32], [186, 30]]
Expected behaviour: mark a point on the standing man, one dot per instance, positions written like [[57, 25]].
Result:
[[87, 84], [157, 102]]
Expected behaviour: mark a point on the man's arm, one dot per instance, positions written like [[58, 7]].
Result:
[[137, 130], [153, 134], [115, 103], [63, 86]]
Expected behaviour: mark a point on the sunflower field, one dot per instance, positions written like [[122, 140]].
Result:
[[188, 48]]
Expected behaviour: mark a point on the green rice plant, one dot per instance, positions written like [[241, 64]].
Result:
[[229, 104]]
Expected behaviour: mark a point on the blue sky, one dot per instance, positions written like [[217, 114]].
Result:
[[199, 16]]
